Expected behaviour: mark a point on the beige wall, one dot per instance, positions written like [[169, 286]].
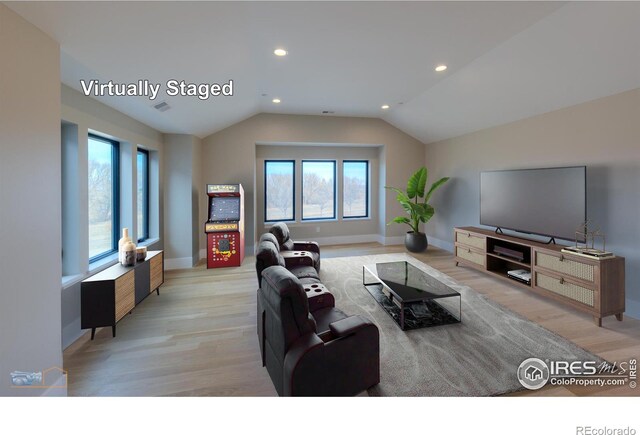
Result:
[[30, 202], [603, 134], [356, 229], [229, 156]]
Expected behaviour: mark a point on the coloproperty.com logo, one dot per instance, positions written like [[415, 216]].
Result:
[[534, 373]]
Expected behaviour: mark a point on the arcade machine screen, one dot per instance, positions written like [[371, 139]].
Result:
[[224, 209]]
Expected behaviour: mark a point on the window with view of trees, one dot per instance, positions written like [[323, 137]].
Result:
[[355, 188], [318, 189], [279, 190], [103, 196], [143, 195]]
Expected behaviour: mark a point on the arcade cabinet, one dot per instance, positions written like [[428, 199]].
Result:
[[225, 227]]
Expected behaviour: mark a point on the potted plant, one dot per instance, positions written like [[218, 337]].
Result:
[[415, 203]]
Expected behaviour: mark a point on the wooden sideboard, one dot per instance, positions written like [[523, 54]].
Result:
[[111, 294], [591, 285]]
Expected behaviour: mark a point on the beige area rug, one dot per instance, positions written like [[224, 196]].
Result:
[[478, 357]]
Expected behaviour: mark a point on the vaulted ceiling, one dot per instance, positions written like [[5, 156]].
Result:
[[506, 60]]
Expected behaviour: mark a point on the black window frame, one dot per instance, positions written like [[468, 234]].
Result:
[[115, 191], [367, 193], [145, 204], [335, 190], [293, 193]]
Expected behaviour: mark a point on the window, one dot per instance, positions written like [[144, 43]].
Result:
[[355, 189], [103, 197], [279, 190], [318, 189], [143, 195]]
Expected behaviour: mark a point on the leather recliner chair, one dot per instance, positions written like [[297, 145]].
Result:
[[342, 361], [283, 238]]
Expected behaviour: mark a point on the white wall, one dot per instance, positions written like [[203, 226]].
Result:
[[182, 181], [30, 202], [603, 134], [80, 115]]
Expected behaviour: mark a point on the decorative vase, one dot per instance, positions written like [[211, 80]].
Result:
[[141, 253], [416, 242], [125, 238], [128, 254]]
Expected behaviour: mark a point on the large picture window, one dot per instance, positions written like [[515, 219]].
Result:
[[103, 197], [142, 188], [279, 190], [318, 189], [355, 189]]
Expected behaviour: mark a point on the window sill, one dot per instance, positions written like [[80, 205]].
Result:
[[148, 242], [69, 280], [365, 218], [103, 263]]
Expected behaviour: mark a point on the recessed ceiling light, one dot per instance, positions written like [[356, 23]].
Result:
[[276, 100], [441, 68], [386, 106], [280, 52]]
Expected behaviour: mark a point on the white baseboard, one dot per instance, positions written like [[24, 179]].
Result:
[[71, 333], [178, 263], [632, 309], [345, 240], [447, 246], [393, 240]]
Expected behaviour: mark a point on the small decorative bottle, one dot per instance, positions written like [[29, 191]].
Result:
[[128, 254], [125, 238]]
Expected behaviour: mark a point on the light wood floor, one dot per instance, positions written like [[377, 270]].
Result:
[[199, 338]]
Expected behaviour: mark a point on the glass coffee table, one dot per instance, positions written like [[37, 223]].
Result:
[[413, 298]]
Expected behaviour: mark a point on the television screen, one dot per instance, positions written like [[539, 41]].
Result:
[[549, 202], [224, 209]]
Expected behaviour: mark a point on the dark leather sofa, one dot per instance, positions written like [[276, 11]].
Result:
[[319, 352]]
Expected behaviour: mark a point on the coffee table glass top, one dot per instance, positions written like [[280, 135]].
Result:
[[410, 283]]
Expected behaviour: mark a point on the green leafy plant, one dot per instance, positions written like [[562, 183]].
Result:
[[414, 201]]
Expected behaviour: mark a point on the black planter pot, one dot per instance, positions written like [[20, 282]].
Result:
[[415, 242]]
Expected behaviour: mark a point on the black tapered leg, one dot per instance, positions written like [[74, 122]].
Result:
[[113, 329], [93, 333], [158, 291]]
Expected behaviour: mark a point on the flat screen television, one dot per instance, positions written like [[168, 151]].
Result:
[[549, 202], [224, 208]]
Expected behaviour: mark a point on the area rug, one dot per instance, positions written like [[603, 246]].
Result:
[[478, 357]]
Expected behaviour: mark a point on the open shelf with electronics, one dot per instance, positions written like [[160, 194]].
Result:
[[591, 285]]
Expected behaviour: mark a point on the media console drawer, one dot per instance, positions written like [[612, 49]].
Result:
[[470, 255], [567, 289], [471, 239], [559, 262]]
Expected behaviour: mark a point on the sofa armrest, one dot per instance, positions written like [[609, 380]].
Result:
[[303, 367], [348, 326], [296, 258], [300, 245]]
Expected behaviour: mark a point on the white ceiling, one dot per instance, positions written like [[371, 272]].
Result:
[[507, 60]]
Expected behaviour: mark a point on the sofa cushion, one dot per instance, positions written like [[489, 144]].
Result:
[[268, 237], [268, 255], [302, 272], [281, 232]]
